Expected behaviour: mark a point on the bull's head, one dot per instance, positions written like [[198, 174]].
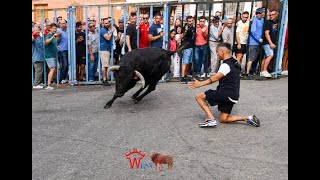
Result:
[[126, 78]]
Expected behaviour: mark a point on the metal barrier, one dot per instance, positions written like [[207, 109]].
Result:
[[281, 26], [71, 20], [167, 7]]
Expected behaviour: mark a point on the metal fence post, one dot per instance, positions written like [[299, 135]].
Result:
[[44, 51], [74, 44], [124, 26], [69, 44], [262, 37], [282, 36], [112, 44], [138, 24], [194, 42], [248, 42], [208, 41], [99, 63], [57, 56], [86, 38]]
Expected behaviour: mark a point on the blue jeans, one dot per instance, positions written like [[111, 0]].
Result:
[[93, 65], [187, 56], [63, 56], [200, 58]]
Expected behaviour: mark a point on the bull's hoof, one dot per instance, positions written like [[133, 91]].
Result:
[[136, 101], [106, 106], [133, 97]]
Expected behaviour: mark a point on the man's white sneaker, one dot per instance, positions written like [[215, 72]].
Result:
[[253, 120], [266, 74], [208, 123], [49, 88], [37, 87]]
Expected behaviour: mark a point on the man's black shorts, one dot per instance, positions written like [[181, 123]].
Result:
[[215, 97], [242, 50]]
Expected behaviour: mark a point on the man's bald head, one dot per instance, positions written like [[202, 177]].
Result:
[[63, 24], [229, 22]]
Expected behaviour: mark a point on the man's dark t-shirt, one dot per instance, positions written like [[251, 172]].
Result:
[[132, 32], [81, 46], [189, 36], [272, 26], [155, 30]]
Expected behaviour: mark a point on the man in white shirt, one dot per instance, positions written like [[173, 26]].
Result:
[[227, 92], [242, 33]]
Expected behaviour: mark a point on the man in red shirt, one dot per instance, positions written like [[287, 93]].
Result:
[[201, 47], [143, 30]]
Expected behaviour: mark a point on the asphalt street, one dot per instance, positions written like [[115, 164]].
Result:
[[74, 137]]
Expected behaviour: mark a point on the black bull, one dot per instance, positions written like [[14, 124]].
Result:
[[147, 65]]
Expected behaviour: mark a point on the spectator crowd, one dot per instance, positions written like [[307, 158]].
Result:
[[255, 37]]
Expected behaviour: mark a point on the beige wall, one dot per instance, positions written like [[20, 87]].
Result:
[[50, 4]]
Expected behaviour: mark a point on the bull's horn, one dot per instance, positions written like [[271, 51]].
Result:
[[113, 68], [141, 78]]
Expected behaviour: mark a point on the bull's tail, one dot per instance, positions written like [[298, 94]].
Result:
[[179, 49]]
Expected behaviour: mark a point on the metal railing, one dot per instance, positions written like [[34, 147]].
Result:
[[71, 20]]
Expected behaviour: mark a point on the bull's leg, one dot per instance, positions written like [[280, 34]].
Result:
[[109, 104], [134, 96], [151, 88]]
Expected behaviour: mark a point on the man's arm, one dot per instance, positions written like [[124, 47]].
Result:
[[115, 34], [129, 33], [254, 32], [237, 35], [118, 36], [153, 38], [48, 40], [205, 32], [221, 30], [266, 33], [128, 42], [59, 35], [90, 48], [225, 36], [108, 36], [212, 79]]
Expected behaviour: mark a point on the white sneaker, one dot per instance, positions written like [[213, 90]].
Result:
[[203, 75], [261, 73], [208, 123], [284, 73], [49, 88], [37, 87], [63, 81], [266, 74]]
